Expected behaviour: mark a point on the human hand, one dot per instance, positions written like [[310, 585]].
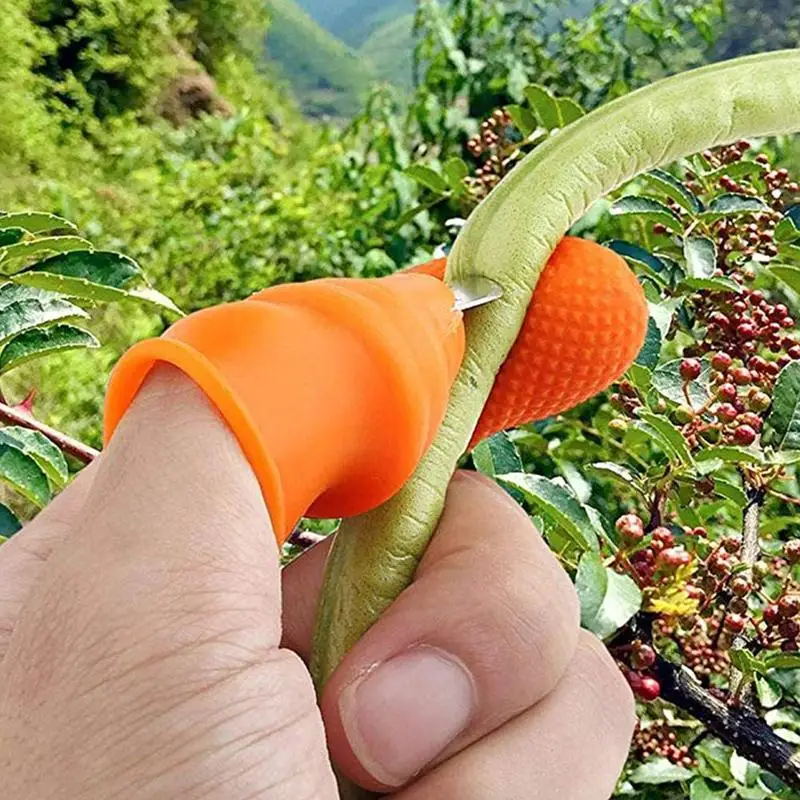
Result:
[[150, 647]]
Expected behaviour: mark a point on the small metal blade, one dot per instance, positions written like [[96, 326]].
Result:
[[475, 291]]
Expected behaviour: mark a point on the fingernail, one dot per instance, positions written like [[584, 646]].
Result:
[[403, 713]]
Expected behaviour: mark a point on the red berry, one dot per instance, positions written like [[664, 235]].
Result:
[[792, 551], [727, 392], [642, 656], [744, 435], [740, 586], [673, 557], [740, 307], [751, 419], [732, 544], [725, 412], [690, 369], [649, 690], [735, 623], [794, 352], [787, 322], [756, 297], [630, 527], [772, 615], [757, 363], [789, 605], [789, 629], [721, 361], [665, 538], [759, 401], [747, 330], [741, 376], [700, 533]]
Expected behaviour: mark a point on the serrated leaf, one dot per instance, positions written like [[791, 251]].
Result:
[[427, 177], [11, 235], [609, 469], [146, 295], [455, 170], [23, 475], [730, 204], [789, 275], [523, 118], [659, 770], [636, 254], [667, 381], [730, 491], [700, 253], [37, 222], [786, 230], [653, 210], [729, 454], [22, 315], [545, 106], [674, 189], [9, 523], [784, 417], [559, 505], [497, 455], [49, 244], [569, 111], [673, 441], [651, 349], [44, 341], [738, 169], [40, 449], [608, 600], [719, 284]]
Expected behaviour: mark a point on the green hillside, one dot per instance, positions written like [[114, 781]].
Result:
[[327, 77], [389, 51], [354, 21]]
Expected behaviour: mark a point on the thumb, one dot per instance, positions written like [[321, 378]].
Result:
[[150, 649]]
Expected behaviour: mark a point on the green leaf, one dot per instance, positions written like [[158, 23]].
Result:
[[559, 505], [569, 110], [51, 244], [730, 454], [730, 204], [9, 524], [497, 455], [719, 284], [789, 275], [11, 235], [700, 253], [545, 106], [428, 178], [673, 441], [651, 349], [700, 789], [37, 222], [40, 449], [608, 600], [523, 118], [455, 170], [609, 469], [21, 472], [769, 693], [715, 758], [674, 189], [22, 315], [784, 417], [148, 296], [738, 169], [747, 663], [786, 230], [44, 341], [782, 660], [659, 770], [638, 255], [730, 491], [653, 210], [667, 381]]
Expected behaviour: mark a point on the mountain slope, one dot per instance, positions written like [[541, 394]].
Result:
[[327, 77], [389, 51], [354, 21]]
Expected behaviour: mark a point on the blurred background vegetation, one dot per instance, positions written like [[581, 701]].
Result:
[[230, 144]]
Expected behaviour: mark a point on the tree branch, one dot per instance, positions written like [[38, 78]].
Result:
[[740, 726], [72, 447]]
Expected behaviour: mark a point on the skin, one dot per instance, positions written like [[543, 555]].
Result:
[[150, 646]]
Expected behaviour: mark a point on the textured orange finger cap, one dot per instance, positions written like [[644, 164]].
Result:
[[586, 324]]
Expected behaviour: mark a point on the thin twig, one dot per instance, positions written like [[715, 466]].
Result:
[[751, 552], [72, 447], [785, 497]]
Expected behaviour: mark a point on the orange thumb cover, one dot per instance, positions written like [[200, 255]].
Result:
[[334, 388]]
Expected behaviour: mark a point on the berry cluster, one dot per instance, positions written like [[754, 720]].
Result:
[[496, 148], [655, 738]]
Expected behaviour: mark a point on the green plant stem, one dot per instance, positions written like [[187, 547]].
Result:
[[509, 238], [71, 447]]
